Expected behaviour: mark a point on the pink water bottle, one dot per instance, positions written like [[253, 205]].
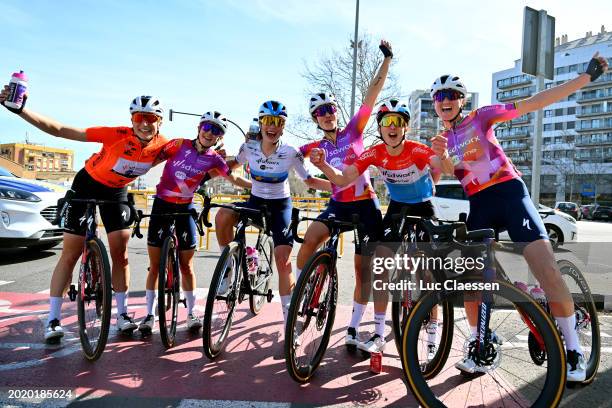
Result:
[[522, 286], [17, 89], [538, 294], [252, 260]]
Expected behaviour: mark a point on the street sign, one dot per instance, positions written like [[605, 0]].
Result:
[[588, 190], [538, 43]]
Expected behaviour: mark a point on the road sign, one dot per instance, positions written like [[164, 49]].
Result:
[[588, 190]]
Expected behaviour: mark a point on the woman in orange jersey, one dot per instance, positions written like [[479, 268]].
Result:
[[127, 152]]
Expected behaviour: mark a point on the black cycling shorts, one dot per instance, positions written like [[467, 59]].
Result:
[[184, 225]]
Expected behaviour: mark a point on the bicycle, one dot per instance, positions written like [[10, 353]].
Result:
[[498, 339], [94, 281], [228, 285], [313, 303], [169, 276]]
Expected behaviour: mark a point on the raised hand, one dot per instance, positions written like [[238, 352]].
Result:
[[439, 146], [317, 157], [385, 48]]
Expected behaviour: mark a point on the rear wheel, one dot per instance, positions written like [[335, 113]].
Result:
[[94, 300], [168, 292], [221, 301]]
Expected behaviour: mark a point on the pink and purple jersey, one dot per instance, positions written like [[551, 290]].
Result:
[[184, 170], [348, 147], [479, 160]]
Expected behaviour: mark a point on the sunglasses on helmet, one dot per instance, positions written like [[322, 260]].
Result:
[[325, 109], [212, 128], [449, 94], [395, 120], [277, 121], [140, 117]]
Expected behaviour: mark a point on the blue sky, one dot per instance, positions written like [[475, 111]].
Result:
[[86, 59]]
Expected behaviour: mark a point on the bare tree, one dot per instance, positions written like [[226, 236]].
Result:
[[333, 73]]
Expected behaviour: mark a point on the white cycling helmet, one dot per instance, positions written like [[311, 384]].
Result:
[[322, 98], [147, 104], [393, 105], [448, 82], [216, 118]]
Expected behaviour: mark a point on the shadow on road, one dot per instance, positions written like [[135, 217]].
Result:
[[18, 255]]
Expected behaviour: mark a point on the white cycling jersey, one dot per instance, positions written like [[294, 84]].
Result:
[[270, 175]]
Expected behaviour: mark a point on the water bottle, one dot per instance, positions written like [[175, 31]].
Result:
[[17, 89], [538, 294], [522, 286], [252, 260], [253, 129]]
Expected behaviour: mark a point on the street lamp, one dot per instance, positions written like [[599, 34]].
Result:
[[355, 44]]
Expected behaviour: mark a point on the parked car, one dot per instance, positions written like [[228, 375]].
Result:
[[450, 201], [27, 208], [569, 208], [602, 213], [586, 211]]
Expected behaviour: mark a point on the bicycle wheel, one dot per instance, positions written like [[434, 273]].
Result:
[[587, 321], [311, 317], [221, 301], [94, 300], [264, 274], [168, 292], [507, 375]]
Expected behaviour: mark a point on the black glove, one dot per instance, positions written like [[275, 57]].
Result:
[[386, 51], [595, 69], [25, 98]]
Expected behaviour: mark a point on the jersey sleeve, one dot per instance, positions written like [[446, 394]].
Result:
[[492, 114], [104, 134], [367, 158], [298, 165], [222, 166], [305, 149], [169, 149], [241, 157], [360, 120]]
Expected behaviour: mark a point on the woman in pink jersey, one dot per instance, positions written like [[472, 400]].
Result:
[[187, 162], [342, 148], [498, 196]]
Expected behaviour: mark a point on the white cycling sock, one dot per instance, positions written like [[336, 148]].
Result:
[[379, 320], [474, 331], [190, 297], [55, 308], [432, 332], [285, 303], [121, 299], [567, 325], [150, 296], [358, 310], [222, 247]]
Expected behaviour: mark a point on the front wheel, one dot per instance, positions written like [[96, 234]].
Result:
[[168, 292], [94, 299], [311, 317], [261, 280], [221, 301]]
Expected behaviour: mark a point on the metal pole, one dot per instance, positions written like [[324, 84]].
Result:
[[537, 136], [355, 46]]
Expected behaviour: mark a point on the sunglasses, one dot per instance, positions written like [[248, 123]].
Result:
[[212, 128], [140, 117], [395, 120], [324, 110], [449, 94], [277, 121]]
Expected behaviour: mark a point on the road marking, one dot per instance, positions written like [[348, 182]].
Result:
[[5, 282], [191, 403], [36, 362]]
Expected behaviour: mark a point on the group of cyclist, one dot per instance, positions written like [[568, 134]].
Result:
[[466, 147]]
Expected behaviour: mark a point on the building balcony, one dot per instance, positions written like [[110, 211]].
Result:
[[602, 128], [587, 141], [521, 120], [595, 158], [523, 134], [601, 81], [525, 80], [590, 96], [587, 113], [513, 147], [508, 98]]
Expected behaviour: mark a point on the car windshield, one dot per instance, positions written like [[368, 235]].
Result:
[[4, 172]]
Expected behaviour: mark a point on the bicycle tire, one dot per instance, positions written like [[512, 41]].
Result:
[[586, 302], [309, 274], [168, 292], [97, 259], [266, 255], [231, 254], [554, 382]]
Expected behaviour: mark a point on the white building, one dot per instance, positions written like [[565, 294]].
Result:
[[577, 131]]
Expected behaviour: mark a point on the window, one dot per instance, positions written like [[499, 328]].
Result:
[[547, 127], [559, 126], [548, 113], [559, 112], [561, 70], [571, 125], [454, 192], [558, 139], [572, 97], [571, 110], [573, 68]]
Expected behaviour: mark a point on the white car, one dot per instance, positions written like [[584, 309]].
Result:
[[27, 208], [450, 201]]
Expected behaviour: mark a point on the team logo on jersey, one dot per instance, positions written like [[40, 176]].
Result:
[[180, 175], [336, 162]]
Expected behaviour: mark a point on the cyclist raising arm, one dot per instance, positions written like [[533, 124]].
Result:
[[127, 152], [342, 149], [269, 163], [188, 161], [498, 196]]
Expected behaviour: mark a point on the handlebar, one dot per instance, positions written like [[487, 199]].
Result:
[[249, 212], [140, 215], [64, 202], [331, 222]]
